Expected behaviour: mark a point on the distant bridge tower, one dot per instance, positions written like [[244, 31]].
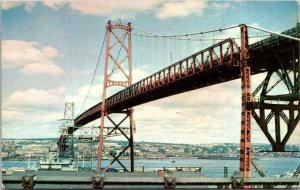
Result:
[[117, 72], [69, 111], [66, 142]]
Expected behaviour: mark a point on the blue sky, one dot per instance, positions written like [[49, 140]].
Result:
[[40, 70]]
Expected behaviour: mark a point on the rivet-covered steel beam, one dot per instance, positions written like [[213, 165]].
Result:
[[245, 138], [127, 181]]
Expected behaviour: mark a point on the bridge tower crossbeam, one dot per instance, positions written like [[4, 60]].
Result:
[[115, 75]]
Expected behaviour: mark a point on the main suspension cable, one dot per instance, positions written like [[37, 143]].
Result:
[[187, 34], [90, 86], [196, 39], [275, 33]]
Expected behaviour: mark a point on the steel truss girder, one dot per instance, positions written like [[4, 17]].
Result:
[[262, 84], [277, 103], [93, 132], [285, 76]]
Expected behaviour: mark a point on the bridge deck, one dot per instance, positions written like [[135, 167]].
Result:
[[216, 64]]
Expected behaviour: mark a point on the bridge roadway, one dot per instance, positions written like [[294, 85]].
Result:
[[216, 64]]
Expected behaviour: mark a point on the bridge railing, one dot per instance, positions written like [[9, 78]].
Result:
[[96, 108], [224, 52]]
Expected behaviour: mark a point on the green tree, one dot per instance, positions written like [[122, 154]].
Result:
[[193, 152], [161, 150], [186, 150]]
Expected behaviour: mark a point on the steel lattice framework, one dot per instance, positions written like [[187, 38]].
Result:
[[65, 144], [114, 66], [280, 105]]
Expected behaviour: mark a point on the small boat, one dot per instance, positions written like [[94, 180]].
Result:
[[71, 168], [53, 162], [151, 157], [173, 161], [7, 171]]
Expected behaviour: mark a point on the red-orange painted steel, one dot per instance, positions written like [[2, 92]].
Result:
[[245, 139], [108, 82], [175, 74]]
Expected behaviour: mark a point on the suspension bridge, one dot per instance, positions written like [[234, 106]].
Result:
[[221, 62], [229, 59]]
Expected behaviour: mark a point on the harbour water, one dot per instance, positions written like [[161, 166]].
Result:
[[209, 167]]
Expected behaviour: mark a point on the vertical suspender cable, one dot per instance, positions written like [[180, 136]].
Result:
[[90, 86]]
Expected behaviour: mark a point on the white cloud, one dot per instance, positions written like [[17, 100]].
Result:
[[180, 8], [54, 4], [94, 91], [162, 9], [192, 117], [10, 115], [35, 110], [138, 74], [28, 5], [115, 9], [39, 125], [220, 6], [94, 97], [29, 59], [44, 69], [35, 99]]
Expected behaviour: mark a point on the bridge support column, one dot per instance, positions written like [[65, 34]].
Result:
[[115, 75], [245, 138], [277, 109]]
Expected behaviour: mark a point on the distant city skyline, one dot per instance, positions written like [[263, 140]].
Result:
[[50, 50]]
